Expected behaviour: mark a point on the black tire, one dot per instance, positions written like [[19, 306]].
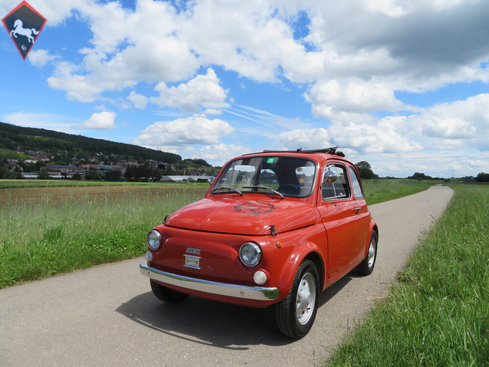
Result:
[[166, 294], [366, 267], [295, 314]]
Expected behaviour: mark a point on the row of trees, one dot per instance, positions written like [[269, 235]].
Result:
[[482, 177], [133, 173], [145, 172]]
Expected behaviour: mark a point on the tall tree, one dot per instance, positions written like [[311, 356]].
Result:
[[365, 170]]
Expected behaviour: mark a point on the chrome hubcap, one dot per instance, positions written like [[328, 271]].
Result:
[[371, 254], [306, 298]]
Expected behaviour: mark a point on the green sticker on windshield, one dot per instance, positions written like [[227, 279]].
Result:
[[271, 160]]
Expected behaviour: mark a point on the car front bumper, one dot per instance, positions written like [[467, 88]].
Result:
[[221, 289]]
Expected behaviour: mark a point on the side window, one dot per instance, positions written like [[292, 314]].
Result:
[[355, 183], [335, 182]]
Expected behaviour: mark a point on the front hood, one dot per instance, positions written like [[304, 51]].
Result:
[[244, 216]]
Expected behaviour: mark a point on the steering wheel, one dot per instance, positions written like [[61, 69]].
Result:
[[290, 189]]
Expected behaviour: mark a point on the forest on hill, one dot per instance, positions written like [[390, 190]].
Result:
[[34, 139]]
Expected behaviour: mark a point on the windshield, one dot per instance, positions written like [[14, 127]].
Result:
[[286, 175]]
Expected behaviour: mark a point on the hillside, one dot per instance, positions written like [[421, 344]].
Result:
[[27, 138]]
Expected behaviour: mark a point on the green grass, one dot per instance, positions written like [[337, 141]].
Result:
[[378, 191], [438, 313], [40, 239]]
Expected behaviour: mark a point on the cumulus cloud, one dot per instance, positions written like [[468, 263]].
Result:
[[100, 121], [305, 138], [202, 91], [41, 57], [129, 47], [218, 154], [333, 100], [362, 49], [446, 126], [357, 137], [195, 130], [138, 100]]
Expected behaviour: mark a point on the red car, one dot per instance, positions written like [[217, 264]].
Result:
[[275, 229]]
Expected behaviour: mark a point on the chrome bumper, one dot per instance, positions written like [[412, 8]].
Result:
[[222, 289]]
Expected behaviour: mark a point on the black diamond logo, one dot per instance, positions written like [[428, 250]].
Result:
[[24, 24]]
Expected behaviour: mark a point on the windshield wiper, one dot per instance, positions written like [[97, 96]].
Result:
[[266, 188], [227, 188]]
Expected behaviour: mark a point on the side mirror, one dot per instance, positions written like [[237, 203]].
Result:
[[329, 177]]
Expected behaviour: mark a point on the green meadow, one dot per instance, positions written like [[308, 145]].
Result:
[[51, 234], [438, 312]]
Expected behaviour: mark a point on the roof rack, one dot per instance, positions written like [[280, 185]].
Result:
[[331, 150]]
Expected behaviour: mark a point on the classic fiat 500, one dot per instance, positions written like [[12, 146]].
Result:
[[275, 229]]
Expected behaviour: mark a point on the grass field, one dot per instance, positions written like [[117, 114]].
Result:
[[47, 230], [378, 191], [438, 313], [64, 230]]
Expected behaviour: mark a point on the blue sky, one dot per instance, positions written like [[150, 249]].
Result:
[[400, 84]]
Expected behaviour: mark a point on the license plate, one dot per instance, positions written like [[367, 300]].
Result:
[[192, 261]]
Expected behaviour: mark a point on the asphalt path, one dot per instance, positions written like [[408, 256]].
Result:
[[107, 315]]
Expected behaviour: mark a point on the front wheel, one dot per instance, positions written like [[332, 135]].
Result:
[[296, 313], [366, 267], [166, 294]]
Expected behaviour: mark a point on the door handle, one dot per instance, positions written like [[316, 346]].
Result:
[[357, 209]]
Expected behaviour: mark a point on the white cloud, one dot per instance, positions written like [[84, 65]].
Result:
[[202, 91], [100, 121], [41, 57], [365, 50], [83, 88], [218, 154], [387, 7], [358, 137], [138, 100], [463, 119], [333, 100], [195, 130], [449, 127], [129, 47], [305, 138], [368, 138]]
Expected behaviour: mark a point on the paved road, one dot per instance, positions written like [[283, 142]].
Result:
[[107, 316]]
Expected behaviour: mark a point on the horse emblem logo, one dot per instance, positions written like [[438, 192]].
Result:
[[24, 25]]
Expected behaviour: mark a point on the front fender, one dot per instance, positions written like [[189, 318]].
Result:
[[292, 264]]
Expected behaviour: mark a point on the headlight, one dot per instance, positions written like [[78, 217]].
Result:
[[250, 254], [153, 239]]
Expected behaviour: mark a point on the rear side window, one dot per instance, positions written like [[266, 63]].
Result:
[[355, 183], [335, 182]]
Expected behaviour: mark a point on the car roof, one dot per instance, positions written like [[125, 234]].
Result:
[[319, 154]]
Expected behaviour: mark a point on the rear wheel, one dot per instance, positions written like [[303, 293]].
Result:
[[166, 294], [296, 313], [366, 267]]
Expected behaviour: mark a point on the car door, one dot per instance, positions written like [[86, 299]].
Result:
[[343, 217]]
